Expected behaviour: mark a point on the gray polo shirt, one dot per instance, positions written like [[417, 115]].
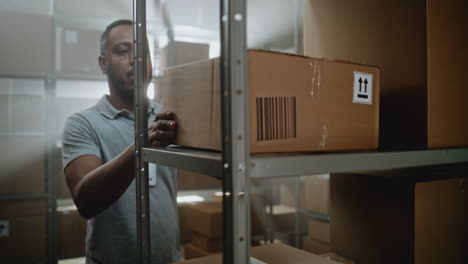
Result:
[[105, 132]]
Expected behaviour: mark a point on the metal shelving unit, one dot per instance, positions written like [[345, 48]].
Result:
[[234, 165]]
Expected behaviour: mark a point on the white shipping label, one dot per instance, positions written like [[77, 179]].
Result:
[[4, 228], [362, 88], [152, 174]]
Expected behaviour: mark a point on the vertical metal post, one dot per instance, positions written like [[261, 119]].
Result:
[[141, 127], [235, 139], [51, 169], [298, 226], [51, 151], [298, 27]]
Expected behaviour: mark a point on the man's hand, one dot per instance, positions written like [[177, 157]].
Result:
[[162, 132]]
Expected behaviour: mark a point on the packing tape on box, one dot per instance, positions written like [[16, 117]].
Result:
[[316, 65]]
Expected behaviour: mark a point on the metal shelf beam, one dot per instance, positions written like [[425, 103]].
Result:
[[204, 162], [284, 165]]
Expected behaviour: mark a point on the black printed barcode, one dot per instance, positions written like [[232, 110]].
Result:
[[276, 118]]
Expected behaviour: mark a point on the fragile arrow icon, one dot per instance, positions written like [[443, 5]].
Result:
[[360, 84], [365, 85]]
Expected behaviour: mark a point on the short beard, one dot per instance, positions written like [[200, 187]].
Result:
[[118, 84]]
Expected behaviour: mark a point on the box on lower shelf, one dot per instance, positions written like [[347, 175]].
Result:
[[270, 254]]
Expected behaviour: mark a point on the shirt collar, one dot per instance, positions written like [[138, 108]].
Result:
[[108, 110]]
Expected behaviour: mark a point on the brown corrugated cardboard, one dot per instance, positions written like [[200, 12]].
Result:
[[191, 181], [23, 169], [23, 49], [295, 104], [271, 254], [180, 52], [447, 56], [316, 193], [392, 220], [313, 246], [206, 219], [390, 35], [72, 234], [206, 243], [26, 242], [319, 230], [191, 252]]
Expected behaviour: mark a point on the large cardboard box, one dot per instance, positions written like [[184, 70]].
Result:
[[23, 168], [180, 52], [420, 47], [377, 219], [295, 103], [24, 234], [271, 254], [447, 54], [71, 233]]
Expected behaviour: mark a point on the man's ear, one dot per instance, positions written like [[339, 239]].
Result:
[[102, 64]]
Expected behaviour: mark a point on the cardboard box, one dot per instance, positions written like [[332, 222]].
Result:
[[23, 48], [180, 52], [25, 241], [72, 234], [313, 246], [191, 252], [271, 254], [422, 62], [295, 104], [206, 219], [192, 181], [319, 230], [315, 190], [447, 55], [23, 169], [395, 220], [206, 243], [73, 41], [317, 193]]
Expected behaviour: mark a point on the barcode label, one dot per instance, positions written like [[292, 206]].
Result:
[[276, 118]]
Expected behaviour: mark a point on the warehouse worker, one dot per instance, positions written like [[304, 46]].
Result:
[[99, 162]]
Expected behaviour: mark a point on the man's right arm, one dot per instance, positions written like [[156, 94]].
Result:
[[95, 186]]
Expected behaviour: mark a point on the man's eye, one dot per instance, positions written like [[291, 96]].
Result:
[[123, 51]]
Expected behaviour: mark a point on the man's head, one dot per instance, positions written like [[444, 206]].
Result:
[[116, 59]]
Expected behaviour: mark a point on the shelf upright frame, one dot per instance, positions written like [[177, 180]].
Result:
[[141, 135], [235, 139]]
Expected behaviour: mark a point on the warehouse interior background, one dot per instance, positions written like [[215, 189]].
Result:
[[49, 70]]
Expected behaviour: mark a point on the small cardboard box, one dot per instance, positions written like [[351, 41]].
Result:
[[396, 220], [271, 254], [295, 103], [24, 233], [313, 246]]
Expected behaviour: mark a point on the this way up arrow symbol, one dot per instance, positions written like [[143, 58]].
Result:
[[360, 84], [365, 85]]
